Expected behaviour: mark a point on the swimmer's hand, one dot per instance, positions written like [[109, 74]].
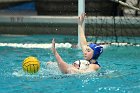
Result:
[[81, 18], [53, 46]]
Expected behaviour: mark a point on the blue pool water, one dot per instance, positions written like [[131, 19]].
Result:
[[120, 72]]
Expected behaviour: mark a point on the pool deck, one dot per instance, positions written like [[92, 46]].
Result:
[[60, 24]]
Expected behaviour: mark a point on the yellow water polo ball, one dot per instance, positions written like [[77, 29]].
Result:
[[31, 65]]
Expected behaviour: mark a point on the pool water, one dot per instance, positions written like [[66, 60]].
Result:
[[120, 72]]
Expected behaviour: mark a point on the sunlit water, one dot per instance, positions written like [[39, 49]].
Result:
[[120, 72]]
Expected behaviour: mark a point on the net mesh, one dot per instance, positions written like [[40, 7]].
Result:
[[122, 28]]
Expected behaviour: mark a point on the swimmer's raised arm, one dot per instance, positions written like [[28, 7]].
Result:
[[83, 41], [62, 65]]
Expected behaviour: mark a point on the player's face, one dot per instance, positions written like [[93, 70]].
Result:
[[88, 53]]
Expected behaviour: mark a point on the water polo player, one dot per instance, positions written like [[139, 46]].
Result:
[[91, 53]]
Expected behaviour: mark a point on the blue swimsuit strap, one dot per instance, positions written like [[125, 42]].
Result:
[[95, 63]]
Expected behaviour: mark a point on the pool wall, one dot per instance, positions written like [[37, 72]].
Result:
[[97, 26]]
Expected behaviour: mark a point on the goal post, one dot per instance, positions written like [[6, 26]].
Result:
[[81, 9]]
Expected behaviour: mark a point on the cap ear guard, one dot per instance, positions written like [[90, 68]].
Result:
[[97, 50]]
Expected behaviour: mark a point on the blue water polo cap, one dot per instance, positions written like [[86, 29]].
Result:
[[97, 50]]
